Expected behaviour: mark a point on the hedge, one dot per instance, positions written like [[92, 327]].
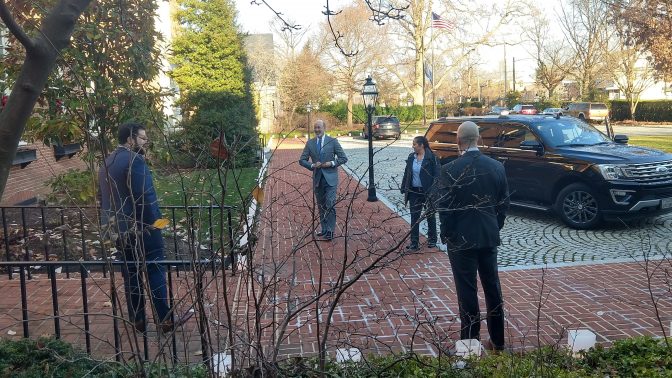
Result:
[[405, 114], [647, 111]]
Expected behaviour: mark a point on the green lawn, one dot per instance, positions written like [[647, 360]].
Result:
[[663, 143], [202, 188]]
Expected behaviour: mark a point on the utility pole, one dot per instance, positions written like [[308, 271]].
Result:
[[506, 84], [514, 73]]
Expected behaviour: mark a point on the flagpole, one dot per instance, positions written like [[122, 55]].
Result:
[[422, 56], [431, 42]]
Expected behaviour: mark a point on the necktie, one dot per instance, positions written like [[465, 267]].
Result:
[[319, 145]]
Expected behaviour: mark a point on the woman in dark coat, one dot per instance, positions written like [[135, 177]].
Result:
[[420, 175]]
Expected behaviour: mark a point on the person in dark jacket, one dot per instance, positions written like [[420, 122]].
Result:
[[129, 210], [473, 199], [422, 170]]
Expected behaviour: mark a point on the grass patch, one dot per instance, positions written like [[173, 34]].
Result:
[[658, 142], [202, 187]]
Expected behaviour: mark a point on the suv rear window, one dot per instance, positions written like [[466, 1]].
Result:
[[528, 106], [598, 106], [383, 119]]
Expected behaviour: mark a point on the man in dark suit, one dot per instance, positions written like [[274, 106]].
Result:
[[325, 154], [129, 210], [473, 201]]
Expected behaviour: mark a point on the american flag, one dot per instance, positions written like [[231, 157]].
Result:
[[440, 23]]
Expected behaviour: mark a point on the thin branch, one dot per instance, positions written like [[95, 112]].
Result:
[[287, 25], [15, 28]]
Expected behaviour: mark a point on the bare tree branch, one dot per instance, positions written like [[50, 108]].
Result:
[[15, 28], [286, 25]]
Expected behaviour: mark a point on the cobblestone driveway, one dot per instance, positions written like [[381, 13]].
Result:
[[529, 238]]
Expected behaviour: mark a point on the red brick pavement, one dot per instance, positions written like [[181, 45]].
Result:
[[380, 299]]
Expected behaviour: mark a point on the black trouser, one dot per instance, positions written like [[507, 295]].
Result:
[[418, 199], [465, 264], [151, 246]]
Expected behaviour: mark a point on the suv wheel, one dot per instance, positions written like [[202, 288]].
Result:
[[577, 206], [582, 117]]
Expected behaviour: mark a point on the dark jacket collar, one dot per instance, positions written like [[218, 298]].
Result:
[[471, 153]]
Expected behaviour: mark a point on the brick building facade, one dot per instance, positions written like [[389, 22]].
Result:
[[25, 184]]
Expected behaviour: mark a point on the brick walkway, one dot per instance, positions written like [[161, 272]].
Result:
[[379, 299], [409, 301]]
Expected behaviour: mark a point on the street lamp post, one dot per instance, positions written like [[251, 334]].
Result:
[[370, 95], [309, 108]]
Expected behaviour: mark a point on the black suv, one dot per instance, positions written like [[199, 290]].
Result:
[[567, 165], [383, 127]]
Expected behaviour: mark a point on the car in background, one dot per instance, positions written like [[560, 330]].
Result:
[[565, 165], [383, 127], [499, 110], [523, 109], [553, 111], [588, 111]]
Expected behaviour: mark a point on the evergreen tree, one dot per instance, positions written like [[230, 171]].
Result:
[[211, 70]]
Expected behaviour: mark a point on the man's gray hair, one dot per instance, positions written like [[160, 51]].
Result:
[[322, 123], [468, 132]]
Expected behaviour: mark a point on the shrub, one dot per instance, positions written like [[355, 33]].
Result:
[[47, 358], [635, 357], [73, 187], [406, 114], [647, 111], [210, 113]]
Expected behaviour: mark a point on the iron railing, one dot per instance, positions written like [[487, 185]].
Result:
[[58, 221], [172, 268]]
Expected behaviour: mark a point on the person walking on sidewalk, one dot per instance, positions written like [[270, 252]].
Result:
[[325, 154], [422, 171], [473, 200], [130, 209]]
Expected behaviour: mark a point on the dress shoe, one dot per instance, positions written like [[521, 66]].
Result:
[[168, 325], [321, 233], [412, 247], [140, 326], [431, 245], [493, 349], [327, 236]]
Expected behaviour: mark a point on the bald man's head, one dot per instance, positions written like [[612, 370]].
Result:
[[467, 134], [319, 127]]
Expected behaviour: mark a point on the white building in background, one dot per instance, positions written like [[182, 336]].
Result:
[[164, 24], [260, 51]]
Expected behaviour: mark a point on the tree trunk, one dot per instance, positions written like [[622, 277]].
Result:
[[633, 107], [351, 101], [41, 54], [416, 89]]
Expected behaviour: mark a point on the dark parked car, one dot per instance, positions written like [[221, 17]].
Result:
[[523, 109], [566, 165], [383, 127]]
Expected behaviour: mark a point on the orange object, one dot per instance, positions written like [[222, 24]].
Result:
[[218, 150], [161, 223]]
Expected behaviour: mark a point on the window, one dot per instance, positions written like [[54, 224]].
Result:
[[511, 135]]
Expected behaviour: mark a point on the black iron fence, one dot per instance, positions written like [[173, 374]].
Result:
[[62, 233], [173, 268]]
